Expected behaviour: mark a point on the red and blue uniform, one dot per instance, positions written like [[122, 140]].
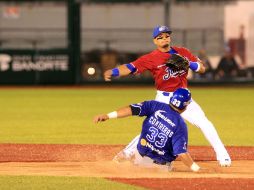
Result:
[[165, 79]]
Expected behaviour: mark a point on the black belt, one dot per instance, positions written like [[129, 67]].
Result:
[[165, 93], [156, 162]]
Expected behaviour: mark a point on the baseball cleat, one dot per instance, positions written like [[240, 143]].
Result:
[[225, 163]]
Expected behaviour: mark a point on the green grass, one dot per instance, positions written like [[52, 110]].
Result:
[[60, 183], [65, 115], [231, 111]]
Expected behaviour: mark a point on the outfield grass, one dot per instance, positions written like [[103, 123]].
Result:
[[65, 115], [60, 183]]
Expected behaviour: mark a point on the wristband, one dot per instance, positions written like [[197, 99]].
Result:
[[194, 167], [131, 68], [115, 72], [195, 66], [112, 115]]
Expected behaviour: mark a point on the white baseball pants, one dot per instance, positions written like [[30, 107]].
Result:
[[149, 163], [195, 115]]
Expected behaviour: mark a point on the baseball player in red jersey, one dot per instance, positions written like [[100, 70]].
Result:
[[167, 81]]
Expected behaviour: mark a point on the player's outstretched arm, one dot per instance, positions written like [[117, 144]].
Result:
[[188, 161], [122, 70], [120, 113]]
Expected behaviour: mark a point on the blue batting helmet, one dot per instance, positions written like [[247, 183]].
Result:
[[181, 98]]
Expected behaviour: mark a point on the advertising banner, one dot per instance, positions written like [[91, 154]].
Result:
[[35, 67]]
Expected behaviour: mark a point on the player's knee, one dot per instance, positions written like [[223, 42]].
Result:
[[203, 123]]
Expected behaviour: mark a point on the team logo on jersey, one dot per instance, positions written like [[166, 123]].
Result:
[[176, 73], [172, 74], [158, 114], [143, 142]]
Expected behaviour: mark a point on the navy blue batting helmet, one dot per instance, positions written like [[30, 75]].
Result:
[[181, 98]]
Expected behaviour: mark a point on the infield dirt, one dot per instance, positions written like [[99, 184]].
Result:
[[95, 161]]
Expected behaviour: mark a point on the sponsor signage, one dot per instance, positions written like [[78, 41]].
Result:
[[29, 63], [30, 67]]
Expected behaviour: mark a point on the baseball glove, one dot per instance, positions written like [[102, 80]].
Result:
[[177, 63]]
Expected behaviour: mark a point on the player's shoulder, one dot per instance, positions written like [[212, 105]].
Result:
[[184, 52], [146, 56], [177, 116], [154, 102], [152, 53], [180, 50], [181, 123], [157, 104]]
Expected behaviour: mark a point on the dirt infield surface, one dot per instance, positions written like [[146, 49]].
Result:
[[95, 161]]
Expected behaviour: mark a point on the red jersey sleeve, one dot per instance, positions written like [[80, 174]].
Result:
[[143, 63]]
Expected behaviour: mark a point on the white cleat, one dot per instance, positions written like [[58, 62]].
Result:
[[225, 162]]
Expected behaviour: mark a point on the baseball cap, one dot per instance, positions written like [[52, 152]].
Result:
[[161, 29]]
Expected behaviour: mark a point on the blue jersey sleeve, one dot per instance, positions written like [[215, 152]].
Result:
[[143, 109], [180, 138]]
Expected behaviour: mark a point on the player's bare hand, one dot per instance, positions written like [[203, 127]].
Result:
[[100, 118], [107, 75]]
